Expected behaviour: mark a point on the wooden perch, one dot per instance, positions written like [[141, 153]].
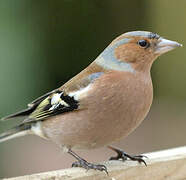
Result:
[[167, 164]]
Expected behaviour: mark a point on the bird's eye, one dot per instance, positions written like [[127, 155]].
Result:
[[143, 43]]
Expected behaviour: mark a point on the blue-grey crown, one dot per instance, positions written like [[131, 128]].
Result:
[[146, 34]]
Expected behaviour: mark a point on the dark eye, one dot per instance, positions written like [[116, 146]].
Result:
[[143, 43]]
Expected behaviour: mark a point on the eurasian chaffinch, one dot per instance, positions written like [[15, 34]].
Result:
[[100, 105]]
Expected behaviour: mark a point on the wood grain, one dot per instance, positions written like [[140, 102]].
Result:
[[167, 164]]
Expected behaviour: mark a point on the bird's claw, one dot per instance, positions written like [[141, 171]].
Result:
[[84, 164], [138, 158], [121, 155]]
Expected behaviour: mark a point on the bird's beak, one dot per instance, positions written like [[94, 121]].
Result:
[[165, 45]]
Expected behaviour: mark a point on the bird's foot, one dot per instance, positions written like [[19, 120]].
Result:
[[84, 164], [121, 155]]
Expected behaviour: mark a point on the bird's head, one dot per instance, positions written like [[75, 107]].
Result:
[[136, 50]]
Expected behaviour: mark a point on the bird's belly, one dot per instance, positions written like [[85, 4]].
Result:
[[103, 121]]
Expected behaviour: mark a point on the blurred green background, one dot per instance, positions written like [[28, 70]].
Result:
[[44, 43]]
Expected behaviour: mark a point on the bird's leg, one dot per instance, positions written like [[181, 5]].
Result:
[[84, 164], [124, 156]]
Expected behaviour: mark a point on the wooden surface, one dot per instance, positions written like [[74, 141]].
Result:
[[167, 164]]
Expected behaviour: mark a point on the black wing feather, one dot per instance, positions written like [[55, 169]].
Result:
[[42, 107], [46, 109]]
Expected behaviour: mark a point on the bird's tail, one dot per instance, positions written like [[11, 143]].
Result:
[[17, 131]]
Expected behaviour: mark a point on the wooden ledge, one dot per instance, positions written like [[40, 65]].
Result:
[[167, 164]]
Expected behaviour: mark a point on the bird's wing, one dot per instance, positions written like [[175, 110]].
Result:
[[55, 102], [50, 104]]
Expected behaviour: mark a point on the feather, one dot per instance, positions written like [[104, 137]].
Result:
[[17, 131], [56, 103]]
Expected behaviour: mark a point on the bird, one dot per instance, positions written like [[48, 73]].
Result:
[[102, 104]]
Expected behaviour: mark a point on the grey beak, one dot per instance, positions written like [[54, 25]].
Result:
[[165, 45]]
